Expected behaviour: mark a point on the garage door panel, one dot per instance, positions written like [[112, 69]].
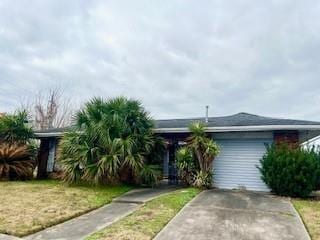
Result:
[[227, 177], [236, 165]]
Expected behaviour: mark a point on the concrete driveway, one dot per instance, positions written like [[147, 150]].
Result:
[[218, 214]]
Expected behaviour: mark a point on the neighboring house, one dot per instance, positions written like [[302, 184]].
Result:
[[242, 138]]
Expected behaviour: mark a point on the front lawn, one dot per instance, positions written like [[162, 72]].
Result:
[[309, 211], [27, 207], [148, 220]]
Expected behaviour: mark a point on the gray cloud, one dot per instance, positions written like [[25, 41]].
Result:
[[175, 56]]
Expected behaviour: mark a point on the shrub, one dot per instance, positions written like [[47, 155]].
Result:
[[150, 175], [203, 179], [13, 128], [17, 151], [186, 165], [290, 171], [16, 161], [318, 172]]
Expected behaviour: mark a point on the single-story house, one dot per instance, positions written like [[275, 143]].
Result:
[[242, 139]]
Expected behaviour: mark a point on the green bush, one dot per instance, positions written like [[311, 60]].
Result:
[[14, 128], [203, 179], [318, 172], [17, 150], [150, 175], [290, 171], [186, 165]]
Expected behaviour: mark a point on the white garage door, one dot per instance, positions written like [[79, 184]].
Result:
[[236, 165]]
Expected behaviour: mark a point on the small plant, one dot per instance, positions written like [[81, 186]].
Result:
[[186, 165], [150, 175], [16, 161], [290, 171], [203, 179]]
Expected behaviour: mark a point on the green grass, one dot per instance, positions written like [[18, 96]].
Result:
[[27, 207], [148, 220], [309, 211]]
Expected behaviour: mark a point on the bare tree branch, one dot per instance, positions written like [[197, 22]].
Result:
[[49, 110]]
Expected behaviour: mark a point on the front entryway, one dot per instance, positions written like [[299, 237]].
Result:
[[170, 170]]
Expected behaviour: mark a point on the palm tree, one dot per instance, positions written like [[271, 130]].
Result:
[[17, 151], [111, 142], [17, 161], [205, 150], [13, 128]]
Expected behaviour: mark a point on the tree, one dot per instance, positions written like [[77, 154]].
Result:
[[203, 149], [49, 109], [14, 128], [110, 142]]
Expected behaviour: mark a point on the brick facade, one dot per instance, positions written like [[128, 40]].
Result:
[[289, 137]]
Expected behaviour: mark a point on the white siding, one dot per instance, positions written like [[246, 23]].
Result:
[[236, 165]]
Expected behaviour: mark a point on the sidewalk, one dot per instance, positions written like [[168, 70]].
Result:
[[7, 237], [83, 226]]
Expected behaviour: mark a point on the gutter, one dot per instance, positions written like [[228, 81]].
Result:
[[51, 134], [242, 128]]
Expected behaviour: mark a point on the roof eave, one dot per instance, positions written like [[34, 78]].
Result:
[[48, 135], [213, 129], [242, 128]]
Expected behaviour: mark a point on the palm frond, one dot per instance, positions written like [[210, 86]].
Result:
[[17, 161], [116, 134]]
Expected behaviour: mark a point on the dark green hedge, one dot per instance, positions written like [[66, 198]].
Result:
[[291, 171]]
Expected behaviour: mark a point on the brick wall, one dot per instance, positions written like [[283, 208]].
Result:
[[289, 137]]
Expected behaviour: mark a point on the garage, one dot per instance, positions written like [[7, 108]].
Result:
[[236, 165]]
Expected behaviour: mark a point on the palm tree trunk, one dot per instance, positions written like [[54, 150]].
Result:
[[200, 159]]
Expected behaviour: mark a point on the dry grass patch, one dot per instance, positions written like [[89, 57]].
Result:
[[27, 207], [148, 220], [309, 210]]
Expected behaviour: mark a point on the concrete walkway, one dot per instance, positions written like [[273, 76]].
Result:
[[81, 227], [228, 215], [8, 237]]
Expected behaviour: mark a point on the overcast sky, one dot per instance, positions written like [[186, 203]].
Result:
[[261, 57]]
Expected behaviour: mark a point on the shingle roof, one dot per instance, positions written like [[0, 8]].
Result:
[[239, 119]]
